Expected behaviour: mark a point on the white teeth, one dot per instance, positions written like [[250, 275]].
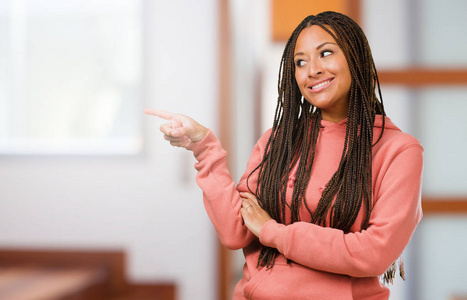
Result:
[[321, 84]]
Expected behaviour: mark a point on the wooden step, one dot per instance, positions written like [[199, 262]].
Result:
[[150, 291], [51, 274], [25, 282]]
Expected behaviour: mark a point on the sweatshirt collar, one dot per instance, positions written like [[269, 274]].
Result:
[[341, 123], [378, 123]]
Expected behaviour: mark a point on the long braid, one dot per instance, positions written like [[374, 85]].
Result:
[[293, 140]]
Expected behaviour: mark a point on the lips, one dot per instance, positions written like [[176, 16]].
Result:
[[321, 85]]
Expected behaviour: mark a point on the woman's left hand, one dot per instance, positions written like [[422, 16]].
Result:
[[253, 215]]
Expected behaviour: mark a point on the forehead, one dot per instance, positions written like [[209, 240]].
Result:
[[313, 36]]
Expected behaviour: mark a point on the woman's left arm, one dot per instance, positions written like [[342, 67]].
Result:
[[370, 252]]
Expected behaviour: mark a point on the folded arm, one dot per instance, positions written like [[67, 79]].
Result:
[[395, 215]]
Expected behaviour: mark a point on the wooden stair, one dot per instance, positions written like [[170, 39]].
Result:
[[28, 282], [72, 275]]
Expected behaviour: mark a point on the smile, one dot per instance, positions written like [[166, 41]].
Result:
[[320, 84]]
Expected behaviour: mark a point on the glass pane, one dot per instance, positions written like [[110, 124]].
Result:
[[398, 103], [4, 83], [385, 24], [441, 33], [441, 258], [443, 133], [77, 77]]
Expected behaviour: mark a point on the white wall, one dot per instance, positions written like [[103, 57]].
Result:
[[148, 205], [250, 38]]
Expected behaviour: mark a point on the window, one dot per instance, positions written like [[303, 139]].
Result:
[[70, 77]]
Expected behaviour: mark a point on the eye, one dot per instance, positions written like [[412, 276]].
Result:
[[325, 53], [300, 63]]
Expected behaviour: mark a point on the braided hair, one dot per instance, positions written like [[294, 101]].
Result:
[[293, 139]]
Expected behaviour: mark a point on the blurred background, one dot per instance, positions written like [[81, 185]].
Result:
[[82, 169]]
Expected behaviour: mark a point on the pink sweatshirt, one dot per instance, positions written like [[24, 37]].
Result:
[[327, 264]]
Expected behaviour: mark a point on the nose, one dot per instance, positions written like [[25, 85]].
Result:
[[314, 68]]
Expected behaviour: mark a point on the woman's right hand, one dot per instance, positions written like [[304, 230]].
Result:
[[181, 131]]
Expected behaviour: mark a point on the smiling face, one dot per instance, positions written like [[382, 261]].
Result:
[[322, 73]]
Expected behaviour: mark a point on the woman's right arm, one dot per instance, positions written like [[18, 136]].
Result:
[[221, 197]]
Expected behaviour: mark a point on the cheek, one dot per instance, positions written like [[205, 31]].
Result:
[[344, 73], [300, 78], [297, 77], [348, 78]]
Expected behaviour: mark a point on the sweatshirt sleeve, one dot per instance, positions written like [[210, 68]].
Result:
[[220, 195], [394, 217]]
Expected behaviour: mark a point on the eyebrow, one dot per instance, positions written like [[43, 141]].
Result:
[[320, 46], [317, 48]]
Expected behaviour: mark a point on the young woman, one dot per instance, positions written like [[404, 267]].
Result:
[[331, 194]]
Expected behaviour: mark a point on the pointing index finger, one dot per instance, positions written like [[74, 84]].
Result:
[[159, 113]]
